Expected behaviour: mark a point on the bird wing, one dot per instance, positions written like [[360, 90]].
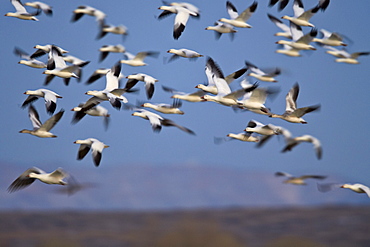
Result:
[[23, 180], [34, 117], [52, 121], [247, 13], [231, 10], [291, 98]]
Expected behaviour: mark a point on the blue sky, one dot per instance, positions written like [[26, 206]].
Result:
[[341, 89]]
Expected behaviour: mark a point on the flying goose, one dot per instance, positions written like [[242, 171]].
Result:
[[120, 30], [31, 174], [97, 111], [28, 60], [21, 12], [138, 59], [255, 101], [39, 129], [221, 28], [210, 87], [47, 9], [183, 53], [99, 73], [344, 56], [182, 17], [87, 10], [96, 147], [105, 49], [292, 113], [57, 67], [358, 188], [262, 75], [297, 180], [147, 79], [236, 19], [224, 94], [45, 49], [243, 136], [285, 28], [266, 130], [330, 38], [49, 96], [302, 17], [111, 93], [291, 142], [299, 40], [157, 121], [191, 7], [191, 97], [166, 108]]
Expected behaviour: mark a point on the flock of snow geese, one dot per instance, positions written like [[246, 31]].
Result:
[[249, 97]]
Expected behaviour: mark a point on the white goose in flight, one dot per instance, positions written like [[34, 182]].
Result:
[[297, 180], [236, 19], [21, 12], [96, 147], [357, 187], [302, 17], [291, 142], [31, 174], [49, 96], [39, 129], [292, 113]]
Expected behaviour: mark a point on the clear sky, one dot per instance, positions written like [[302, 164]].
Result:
[[341, 89]]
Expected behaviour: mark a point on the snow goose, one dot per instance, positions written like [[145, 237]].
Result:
[[291, 142], [147, 79], [191, 7], [191, 97], [236, 19], [105, 49], [99, 73], [182, 17], [243, 136], [285, 28], [330, 38], [289, 51], [344, 56], [96, 147], [75, 60], [57, 67], [31, 174], [87, 10], [262, 75], [299, 41], [96, 111], [282, 4], [21, 12], [28, 60], [45, 49], [221, 28], [267, 131], [255, 101], [183, 53], [111, 93], [120, 30], [358, 188], [302, 17], [49, 96], [138, 59], [166, 108], [39, 129], [210, 87], [297, 180], [292, 113], [47, 9], [224, 94], [157, 121]]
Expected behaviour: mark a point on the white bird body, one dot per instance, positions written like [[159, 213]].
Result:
[[49, 96], [31, 174], [221, 28], [186, 53], [302, 17], [164, 108], [191, 97], [262, 75], [87, 10], [244, 136], [297, 180], [138, 59], [239, 20], [28, 60], [147, 79], [292, 113], [96, 147], [21, 12], [105, 49], [47, 9], [39, 129], [357, 187], [299, 40], [289, 51], [330, 38]]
